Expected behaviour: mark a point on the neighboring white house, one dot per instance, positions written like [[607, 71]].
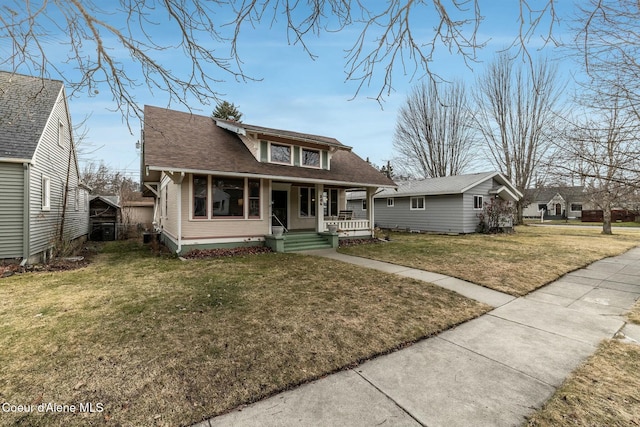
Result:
[[219, 183], [555, 202], [40, 189], [449, 204]]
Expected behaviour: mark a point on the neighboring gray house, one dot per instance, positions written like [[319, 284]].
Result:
[[444, 205], [556, 202], [38, 169]]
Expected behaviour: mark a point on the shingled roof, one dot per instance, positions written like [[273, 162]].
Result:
[[25, 106], [456, 184], [180, 141]]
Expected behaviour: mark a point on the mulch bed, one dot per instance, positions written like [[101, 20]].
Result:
[[80, 259], [223, 253], [356, 242]]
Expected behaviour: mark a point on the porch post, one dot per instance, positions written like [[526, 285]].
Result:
[[370, 208], [319, 208]]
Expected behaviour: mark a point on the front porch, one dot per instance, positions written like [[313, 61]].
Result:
[[317, 208]]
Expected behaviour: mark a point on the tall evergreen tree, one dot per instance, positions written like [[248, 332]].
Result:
[[227, 111]]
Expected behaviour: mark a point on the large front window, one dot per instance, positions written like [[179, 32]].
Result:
[[228, 197]]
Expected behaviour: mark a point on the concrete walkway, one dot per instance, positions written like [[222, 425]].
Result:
[[491, 371]]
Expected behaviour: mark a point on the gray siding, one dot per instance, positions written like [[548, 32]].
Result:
[[453, 213], [355, 205], [442, 214], [11, 210], [52, 160], [469, 214]]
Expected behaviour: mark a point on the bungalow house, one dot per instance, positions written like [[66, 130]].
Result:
[[443, 205], [555, 202], [220, 183], [41, 195]]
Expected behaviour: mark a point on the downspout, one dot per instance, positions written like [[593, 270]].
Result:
[[180, 213], [26, 215]]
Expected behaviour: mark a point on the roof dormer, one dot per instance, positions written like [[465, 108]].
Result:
[[285, 147]]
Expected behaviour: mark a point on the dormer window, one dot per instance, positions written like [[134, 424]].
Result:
[[310, 158], [280, 154]]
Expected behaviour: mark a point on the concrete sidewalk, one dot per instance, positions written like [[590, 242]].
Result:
[[492, 371]]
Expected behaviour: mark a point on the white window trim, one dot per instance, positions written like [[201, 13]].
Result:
[[291, 153], [77, 199], [46, 193], [411, 199], [481, 202], [364, 205], [60, 133], [310, 166], [391, 202]]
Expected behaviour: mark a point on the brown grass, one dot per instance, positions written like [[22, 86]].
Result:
[[158, 341], [634, 315], [515, 263], [604, 391]]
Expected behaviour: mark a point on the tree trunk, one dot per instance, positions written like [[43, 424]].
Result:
[[606, 220]]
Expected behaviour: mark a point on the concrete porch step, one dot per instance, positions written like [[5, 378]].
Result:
[[294, 242]]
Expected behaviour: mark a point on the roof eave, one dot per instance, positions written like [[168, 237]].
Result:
[[272, 177]]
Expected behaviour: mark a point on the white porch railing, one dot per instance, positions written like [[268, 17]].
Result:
[[347, 225]]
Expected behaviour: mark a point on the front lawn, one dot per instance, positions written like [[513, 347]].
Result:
[[601, 392], [151, 340], [516, 263]]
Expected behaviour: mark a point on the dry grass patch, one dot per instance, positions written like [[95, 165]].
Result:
[[514, 263], [157, 341], [602, 392], [634, 315]]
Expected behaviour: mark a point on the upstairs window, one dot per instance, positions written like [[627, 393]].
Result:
[[390, 202], [46, 193], [280, 154], [60, 133], [310, 158]]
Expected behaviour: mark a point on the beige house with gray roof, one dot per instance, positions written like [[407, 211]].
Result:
[[219, 183]]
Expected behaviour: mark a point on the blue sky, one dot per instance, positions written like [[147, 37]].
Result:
[[298, 93]]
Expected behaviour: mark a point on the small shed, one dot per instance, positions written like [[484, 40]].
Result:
[[104, 215]]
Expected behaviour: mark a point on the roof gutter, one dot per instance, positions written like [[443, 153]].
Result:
[[15, 160], [272, 177]]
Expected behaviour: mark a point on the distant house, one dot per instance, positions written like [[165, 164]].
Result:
[[444, 205], [220, 183], [555, 202], [41, 194]]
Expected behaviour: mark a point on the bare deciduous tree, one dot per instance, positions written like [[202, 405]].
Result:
[[603, 150], [608, 40], [517, 108], [103, 42], [433, 135]]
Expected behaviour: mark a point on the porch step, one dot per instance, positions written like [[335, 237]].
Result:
[[304, 241]]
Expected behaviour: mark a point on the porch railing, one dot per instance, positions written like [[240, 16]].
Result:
[[347, 225]]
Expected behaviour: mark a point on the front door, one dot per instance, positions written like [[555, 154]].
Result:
[[558, 209], [279, 207]]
